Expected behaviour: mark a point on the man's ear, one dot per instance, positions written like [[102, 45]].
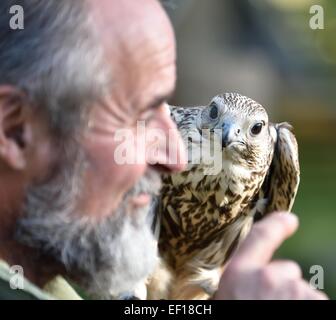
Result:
[[12, 127]]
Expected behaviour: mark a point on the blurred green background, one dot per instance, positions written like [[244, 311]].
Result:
[[266, 49]]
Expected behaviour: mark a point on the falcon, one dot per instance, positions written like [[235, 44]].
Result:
[[206, 211]]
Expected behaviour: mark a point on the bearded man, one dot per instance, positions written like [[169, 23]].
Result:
[[77, 73]]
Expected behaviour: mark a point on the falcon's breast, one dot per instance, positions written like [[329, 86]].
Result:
[[196, 210]]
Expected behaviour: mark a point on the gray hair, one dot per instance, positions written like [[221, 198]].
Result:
[[55, 59], [107, 258]]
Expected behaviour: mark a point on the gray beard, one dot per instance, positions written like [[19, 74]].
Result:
[[107, 258]]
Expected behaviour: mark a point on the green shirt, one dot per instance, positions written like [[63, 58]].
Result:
[[57, 289]]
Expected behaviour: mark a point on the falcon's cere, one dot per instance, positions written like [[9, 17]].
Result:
[[203, 217]]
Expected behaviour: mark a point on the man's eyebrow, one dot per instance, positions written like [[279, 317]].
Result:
[[158, 100]]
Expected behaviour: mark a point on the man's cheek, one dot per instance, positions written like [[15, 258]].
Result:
[[119, 167], [104, 189], [126, 176]]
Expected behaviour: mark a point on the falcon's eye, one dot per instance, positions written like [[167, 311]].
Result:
[[213, 112], [256, 129]]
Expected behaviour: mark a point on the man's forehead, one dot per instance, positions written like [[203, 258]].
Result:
[[127, 24], [139, 45]]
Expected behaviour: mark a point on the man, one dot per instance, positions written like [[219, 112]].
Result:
[[78, 73]]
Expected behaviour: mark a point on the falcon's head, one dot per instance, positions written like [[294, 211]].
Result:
[[241, 126]]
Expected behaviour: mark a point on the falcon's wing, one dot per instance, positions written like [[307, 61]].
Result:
[[185, 117], [177, 114], [282, 181], [154, 217]]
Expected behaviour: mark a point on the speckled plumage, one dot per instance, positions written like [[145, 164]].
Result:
[[205, 216]]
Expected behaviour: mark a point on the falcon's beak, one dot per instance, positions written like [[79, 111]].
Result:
[[230, 133]]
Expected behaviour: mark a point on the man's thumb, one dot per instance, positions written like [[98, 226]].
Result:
[[265, 238]]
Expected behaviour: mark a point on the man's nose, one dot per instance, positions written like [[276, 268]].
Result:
[[171, 155]]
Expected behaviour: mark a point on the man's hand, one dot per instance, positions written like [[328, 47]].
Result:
[[251, 275]]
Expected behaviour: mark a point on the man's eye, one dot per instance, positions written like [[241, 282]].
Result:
[[148, 115], [213, 113]]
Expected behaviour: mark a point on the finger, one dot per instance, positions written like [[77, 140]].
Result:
[[310, 293], [265, 237], [301, 290], [293, 290], [280, 271]]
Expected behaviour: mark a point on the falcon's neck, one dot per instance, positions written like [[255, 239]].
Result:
[[201, 180], [224, 195]]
